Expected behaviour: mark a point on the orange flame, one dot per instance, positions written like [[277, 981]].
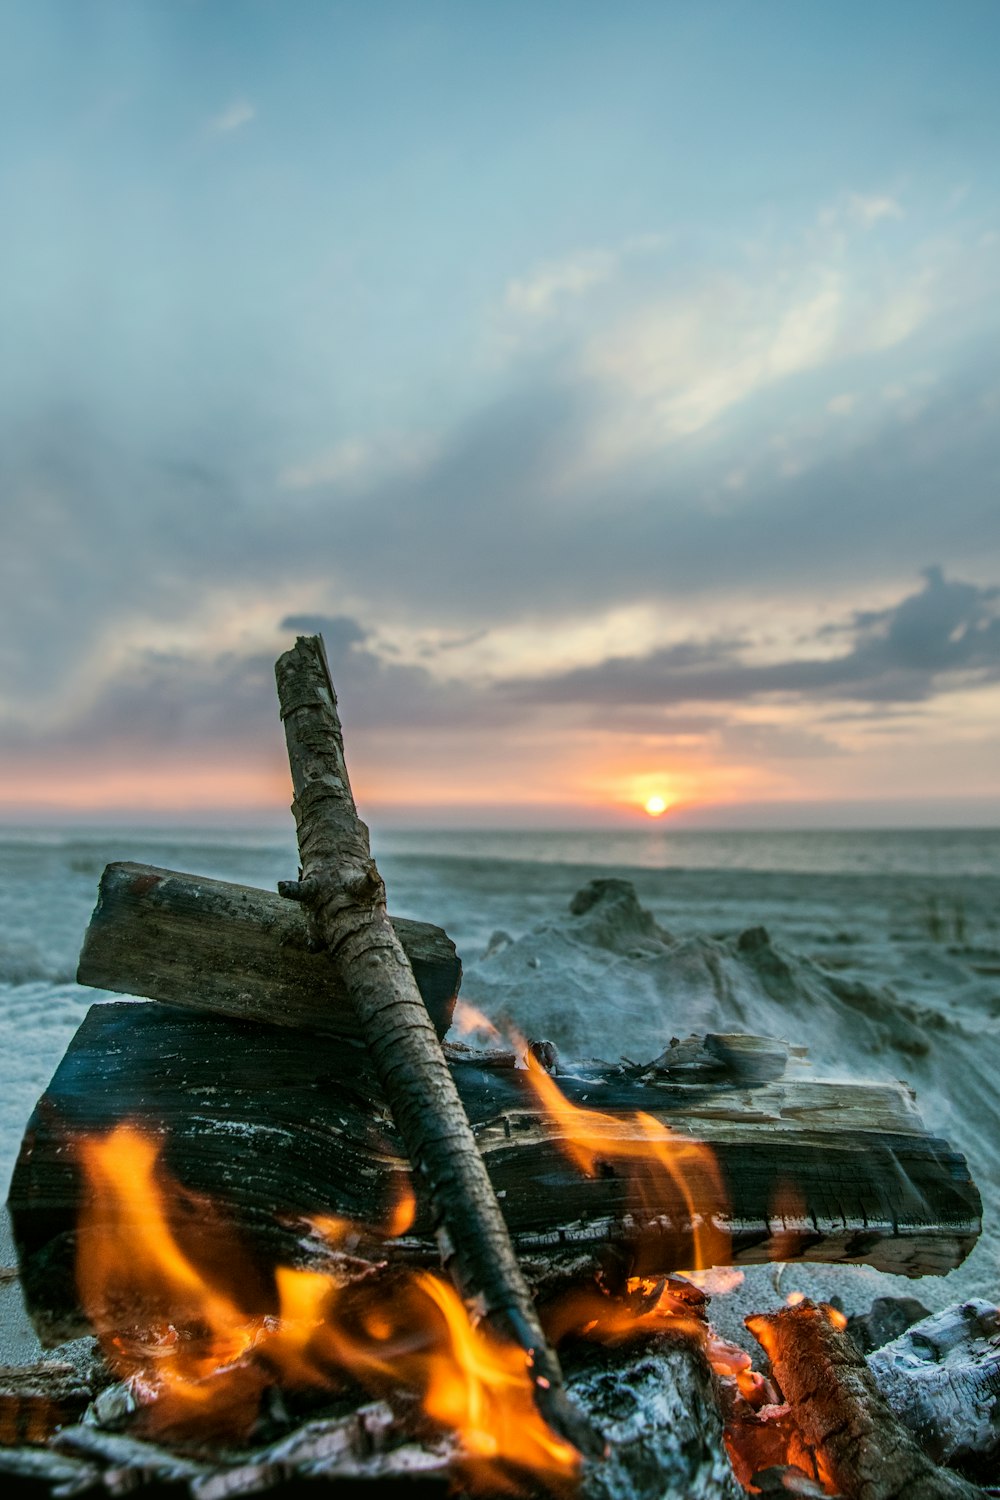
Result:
[[667, 1172], [467, 1019], [150, 1276]]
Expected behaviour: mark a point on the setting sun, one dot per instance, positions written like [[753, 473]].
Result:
[[656, 806]]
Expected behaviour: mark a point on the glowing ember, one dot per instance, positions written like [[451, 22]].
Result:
[[150, 1277]]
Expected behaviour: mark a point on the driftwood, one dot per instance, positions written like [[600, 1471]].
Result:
[[942, 1378], [846, 1427], [278, 1129], [341, 887], [208, 945]]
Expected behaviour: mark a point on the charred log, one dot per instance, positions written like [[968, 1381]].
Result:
[[277, 1129], [847, 1430], [208, 945], [942, 1379], [655, 1400]]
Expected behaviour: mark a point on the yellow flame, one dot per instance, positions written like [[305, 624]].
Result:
[[663, 1167], [205, 1357], [467, 1019]]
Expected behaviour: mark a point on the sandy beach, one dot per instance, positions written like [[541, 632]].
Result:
[[882, 958]]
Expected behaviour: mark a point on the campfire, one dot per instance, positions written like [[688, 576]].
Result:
[[315, 1242]]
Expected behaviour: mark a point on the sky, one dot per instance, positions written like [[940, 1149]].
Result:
[[615, 387]]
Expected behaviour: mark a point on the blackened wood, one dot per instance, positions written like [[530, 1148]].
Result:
[[36, 1399], [279, 1129], [343, 891], [656, 1399], [858, 1444], [209, 945], [942, 1378]]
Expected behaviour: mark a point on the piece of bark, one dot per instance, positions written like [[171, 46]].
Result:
[[847, 1428], [277, 1129], [942, 1378], [208, 945], [340, 885]]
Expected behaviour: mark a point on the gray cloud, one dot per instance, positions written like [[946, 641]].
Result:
[[106, 533], [188, 701], [932, 640]]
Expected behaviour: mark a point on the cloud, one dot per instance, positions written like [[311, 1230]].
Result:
[[358, 462], [538, 294], [944, 636], [870, 208], [238, 114]]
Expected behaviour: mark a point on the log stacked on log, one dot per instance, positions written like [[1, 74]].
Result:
[[212, 946]]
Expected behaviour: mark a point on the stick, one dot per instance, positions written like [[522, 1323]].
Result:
[[341, 886]]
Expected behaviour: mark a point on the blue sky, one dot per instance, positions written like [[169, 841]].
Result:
[[618, 384]]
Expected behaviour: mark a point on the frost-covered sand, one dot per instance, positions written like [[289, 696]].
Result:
[[879, 952]]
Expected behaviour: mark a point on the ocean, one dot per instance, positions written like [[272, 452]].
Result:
[[911, 919]]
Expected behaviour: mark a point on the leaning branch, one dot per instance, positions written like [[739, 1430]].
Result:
[[340, 885]]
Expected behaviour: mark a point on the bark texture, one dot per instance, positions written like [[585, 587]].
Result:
[[847, 1427], [343, 891], [208, 945]]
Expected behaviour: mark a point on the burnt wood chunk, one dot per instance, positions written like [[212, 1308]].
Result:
[[209, 945], [279, 1129], [856, 1443]]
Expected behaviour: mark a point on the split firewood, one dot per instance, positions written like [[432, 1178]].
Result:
[[209, 945], [846, 1428], [341, 888], [278, 1130], [942, 1378]]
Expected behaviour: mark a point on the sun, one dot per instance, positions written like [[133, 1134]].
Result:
[[656, 806]]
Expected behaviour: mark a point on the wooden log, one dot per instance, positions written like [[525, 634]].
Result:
[[846, 1426], [942, 1379], [278, 1129], [208, 945], [341, 887]]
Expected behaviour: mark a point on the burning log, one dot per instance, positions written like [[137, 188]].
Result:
[[212, 946], [278, 1130], [655, 1399], [847, 1433], [341, 887]]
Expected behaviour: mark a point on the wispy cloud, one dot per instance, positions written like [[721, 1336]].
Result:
[[870, 208], [539, 293], [943, 637], [238, 114]]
